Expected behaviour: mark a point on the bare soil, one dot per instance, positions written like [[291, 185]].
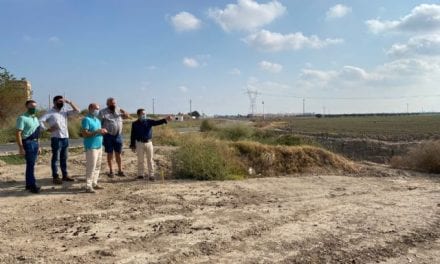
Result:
[[292, 219]]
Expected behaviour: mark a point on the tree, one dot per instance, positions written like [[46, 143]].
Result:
[[5, 76], [195, 114]]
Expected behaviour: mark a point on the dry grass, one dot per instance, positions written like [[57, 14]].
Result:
[[424, 157], [166, 136], [271, 160], [213, 159]]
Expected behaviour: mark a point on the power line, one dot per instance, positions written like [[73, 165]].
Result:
[[353, 98]]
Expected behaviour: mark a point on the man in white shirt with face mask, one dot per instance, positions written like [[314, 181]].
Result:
[[56, 122]]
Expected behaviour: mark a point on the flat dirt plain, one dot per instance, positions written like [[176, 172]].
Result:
[[378, 216]]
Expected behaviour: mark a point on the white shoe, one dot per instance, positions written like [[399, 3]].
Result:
[[90, 190]]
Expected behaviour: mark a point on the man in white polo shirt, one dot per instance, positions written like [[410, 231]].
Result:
[[55, 121]]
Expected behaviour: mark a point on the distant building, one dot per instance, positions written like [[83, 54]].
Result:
[[12, 98]]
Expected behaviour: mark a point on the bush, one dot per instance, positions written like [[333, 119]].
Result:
[[165, 136], [203, 159], [74, 126], [7, 130], [207, 125], [236, 132], [424, 157]]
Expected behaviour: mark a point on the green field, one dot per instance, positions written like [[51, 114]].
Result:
[[393, 128]]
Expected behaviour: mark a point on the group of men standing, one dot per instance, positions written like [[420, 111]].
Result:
[[98, 128]]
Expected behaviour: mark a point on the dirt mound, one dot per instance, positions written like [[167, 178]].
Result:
[[275, 160]]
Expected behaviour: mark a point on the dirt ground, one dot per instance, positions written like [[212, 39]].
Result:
[[294, 219]]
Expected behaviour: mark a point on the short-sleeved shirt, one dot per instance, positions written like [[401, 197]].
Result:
[[58, 119], [27, 124], [112, 121], [92, 124]]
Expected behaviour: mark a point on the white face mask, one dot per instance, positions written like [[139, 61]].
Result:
[[144, 117], [95, 112]]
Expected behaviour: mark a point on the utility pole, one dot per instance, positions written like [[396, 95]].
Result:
[[153, 106], [304, 106], [263, 110], [49, 102], [190, 106]]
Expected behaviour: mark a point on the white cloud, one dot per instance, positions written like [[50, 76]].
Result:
[[235, 71], [183, 89], [423, 18], [423, 45], [338, 11], [152, 67], [270, 66], [272, 41], [190, 62], [54, 40], [254, 84], [185, 21], [246, 14], [395, 76]]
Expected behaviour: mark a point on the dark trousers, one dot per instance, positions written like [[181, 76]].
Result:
[[59, 151], [31, 154]]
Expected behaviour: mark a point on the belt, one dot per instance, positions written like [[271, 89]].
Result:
[[25, 140], [145, 140]]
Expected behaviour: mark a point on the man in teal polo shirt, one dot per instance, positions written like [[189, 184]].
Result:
[[27, 134], [92, 133]]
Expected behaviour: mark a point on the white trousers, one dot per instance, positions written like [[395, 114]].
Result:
[[142, 150], [93, 166]]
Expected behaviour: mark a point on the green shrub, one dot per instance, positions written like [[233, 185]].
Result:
[[165, 136], [203, 159], [236, 132], [7, 135], [207, 125], [74, 126]]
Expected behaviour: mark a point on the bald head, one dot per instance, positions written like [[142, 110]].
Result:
[[93, 107]]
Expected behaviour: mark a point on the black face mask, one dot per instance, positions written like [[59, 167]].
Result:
[[59, 105], [112, 107]]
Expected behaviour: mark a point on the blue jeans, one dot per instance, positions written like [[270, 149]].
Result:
[[59, 150], [31, 154]]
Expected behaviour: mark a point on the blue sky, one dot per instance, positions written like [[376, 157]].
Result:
[[341, 56]]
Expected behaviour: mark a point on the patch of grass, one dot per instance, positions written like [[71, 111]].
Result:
[[235, 132], [424, 157], [205, 159], [13, 159], [165, 136]]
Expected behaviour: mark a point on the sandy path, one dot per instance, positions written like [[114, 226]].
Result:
[[303, 219]]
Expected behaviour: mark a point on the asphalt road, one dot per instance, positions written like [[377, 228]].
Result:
[[11, 148]]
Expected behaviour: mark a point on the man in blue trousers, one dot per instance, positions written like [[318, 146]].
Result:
[[28, 131], [55, 121]]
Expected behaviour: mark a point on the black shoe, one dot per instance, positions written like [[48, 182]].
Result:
[[68, 179], [57, 181], [140, 177], [110, 175], [34, 189], [28, 187], [120, 174]]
